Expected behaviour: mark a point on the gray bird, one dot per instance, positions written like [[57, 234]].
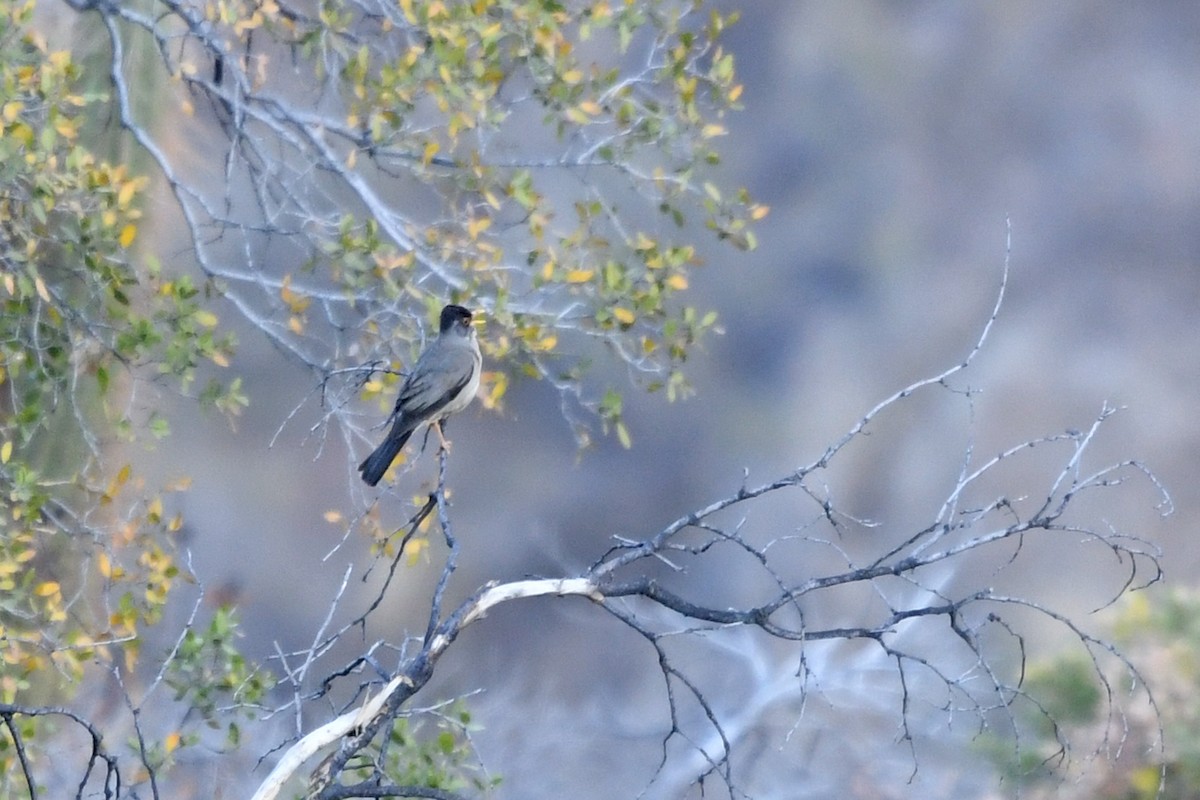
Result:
[[442, 382]]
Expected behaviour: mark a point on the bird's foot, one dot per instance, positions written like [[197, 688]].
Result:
[[445, 443]]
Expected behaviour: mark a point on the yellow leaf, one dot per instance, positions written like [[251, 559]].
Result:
[[155, 509], [712, 129], [580, 275], [40, 285], [128, 233], [413, 549], [735, 93], [591, 107], [46, 589], [498, 383], [623, 315], [572, 76], [759, 211], [104, 565], [12, 110], [1145, 780], [219, 359], [296, 301], [388, 261], [123, 474], [206, 318], [677, 282], [478, 226], [547, 342], [172, 741], [431, 150], [244, 24], [5, 452], [333, 516], [295, 325], [125, 195], [66, 127]]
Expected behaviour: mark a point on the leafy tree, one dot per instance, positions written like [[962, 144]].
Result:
[[338, 172]]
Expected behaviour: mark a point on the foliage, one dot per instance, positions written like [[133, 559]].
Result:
[[210, 675], [550, 163], [430, 749], [67, 221], [1155, 750], [87, 551]]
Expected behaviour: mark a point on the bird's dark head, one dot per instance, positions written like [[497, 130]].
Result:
[[455, 317]]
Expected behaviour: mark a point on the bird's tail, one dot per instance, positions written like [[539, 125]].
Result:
[[374, 465]]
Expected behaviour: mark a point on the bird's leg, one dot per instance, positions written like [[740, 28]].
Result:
[[437, 427]]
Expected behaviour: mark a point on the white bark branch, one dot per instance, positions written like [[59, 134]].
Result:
[[333, 731]]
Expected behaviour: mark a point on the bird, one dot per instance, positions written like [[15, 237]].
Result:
[[442, 382]]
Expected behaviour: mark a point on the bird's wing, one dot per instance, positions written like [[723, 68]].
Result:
[[435, 382]]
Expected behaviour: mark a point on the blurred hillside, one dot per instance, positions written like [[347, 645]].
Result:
[[891, 142]]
